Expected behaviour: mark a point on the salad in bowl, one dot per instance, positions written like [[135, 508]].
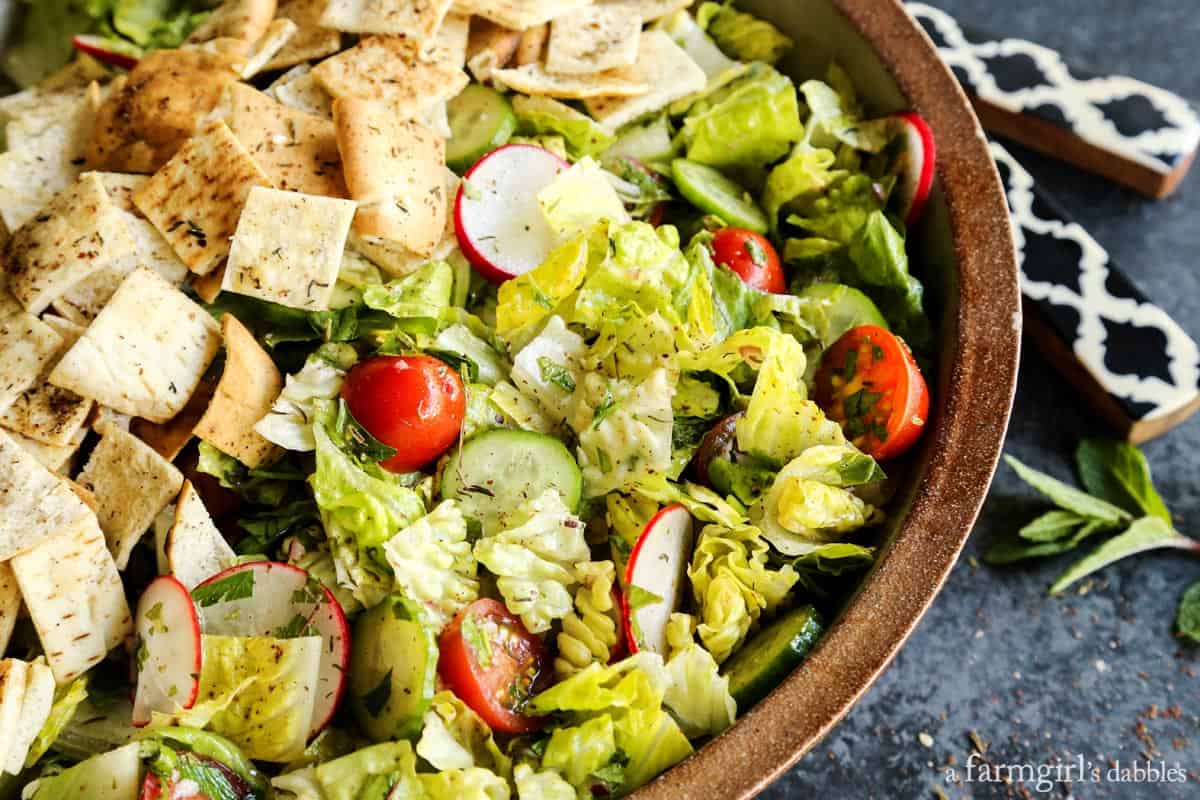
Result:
[[430, 399]]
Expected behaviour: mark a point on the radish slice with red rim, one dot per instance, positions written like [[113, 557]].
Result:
[[168, 654], [655, 578], [500, 227], [914, 166], [269, 598], [101, 49]]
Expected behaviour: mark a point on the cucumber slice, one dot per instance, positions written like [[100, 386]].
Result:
[[771, 655], [393, 670], [481, 119], [845, 308], [497, 471], [710, 191]]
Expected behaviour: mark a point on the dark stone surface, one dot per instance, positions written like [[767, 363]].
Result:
[[1039, 678]]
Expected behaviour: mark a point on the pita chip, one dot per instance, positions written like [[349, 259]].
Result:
[[287, 248], [534, 79], [298, 151], [311, 41], [276, 37], [169, 438], [245, 393], [663, 63], [75, 598], [519, 15], [34, 502], [158, 107], [10, 604], [194, 549], [48, 414], [418, 19], [593, 39], [532, 44], [153, 250], [489, 47], [14, 674], [389, 69], [33, 701], [647, 10], [29, 347], [298, 89], [395, 170], [197, 197], [448, 48], [245, 21], [152, 372], [54, 458]]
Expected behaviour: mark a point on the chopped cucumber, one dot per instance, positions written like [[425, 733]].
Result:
[[497, 471], [393, 670], [710, 191], [481, 119], [844, 308], [771, 655]]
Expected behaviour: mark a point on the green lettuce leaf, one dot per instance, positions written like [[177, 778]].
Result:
[[418, 299], [881, 269], [115, 775], [743, 36], [580, 198], [67, 700], [580, 751], [546, 785], [525, 301], [464, 784], [434, 565], [454, 737], [366, 773], [546, 116], [697, 695], [548, 369]]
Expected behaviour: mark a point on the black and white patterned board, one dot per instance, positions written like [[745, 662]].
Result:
[[1119, 127], [1138, 366]]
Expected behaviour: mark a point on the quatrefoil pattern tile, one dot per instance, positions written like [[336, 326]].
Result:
[[1124, 116], [1132, 348]]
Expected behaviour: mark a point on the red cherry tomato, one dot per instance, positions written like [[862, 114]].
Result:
[[494, 665], [752, 257], [871, 385], [415, 404]]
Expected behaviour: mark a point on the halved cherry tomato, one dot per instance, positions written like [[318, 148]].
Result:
[[752, 257], [156, 788], [415, 404], [494, 665], [871, 385]]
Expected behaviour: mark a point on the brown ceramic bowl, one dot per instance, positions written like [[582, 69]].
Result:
[[965, 256]]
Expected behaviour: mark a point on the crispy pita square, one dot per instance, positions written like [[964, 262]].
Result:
[[593, 39], [278, 34], [39, 163], [298, 151], [490, 47], [532, 44], [298, 89], [34, 701], [59, 460], [394, 169], [243, 20], [48, 414], [287, 248], [647, 10], [132, 483], [104, 416], [208, 287], [62, 89], [158, 107], [29, 347], [75, 598], [10, 604], [448, 48], [533, 79], [519, 14], [34, 502], [311, 41], [195, 200], [248, 387], [397, 260], [194, 549], [153, 250], [664, 64], [418, 19], [169, 438], [14, 674], [388, 69], [68, 330], [145, 353]]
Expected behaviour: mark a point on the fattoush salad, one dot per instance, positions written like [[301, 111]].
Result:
[[430, 398]]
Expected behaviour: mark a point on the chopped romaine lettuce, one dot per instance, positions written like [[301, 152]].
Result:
[[367, 773], [290, 421], [881, 268], [525, 301], [434, 565], [418, 299], [547, 785], [548, 368], [454, 737], [546, 116], [741, 35], [579, 198], [697, 695]]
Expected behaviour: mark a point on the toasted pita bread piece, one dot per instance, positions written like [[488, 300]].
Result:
[[519, 14], [48, 414], [105, 416], [665, 64], [298, 89], [61, 89], [145, 353], [195, 200], [243, 20], [278, 34], [298, 151], [29, 347], [532, 44], [194, 549], [593, 39], [153, 250], [162, 527], [287, 248], [448, 47], [33, 698], [648, 10], [418, 19], [397, 260], [34, 502], [132, 483], [394, 169], [169, 438], [75, 598], [533, 79], [10, 604], [389, 69], [489, 47], [208, 287], [43, 160], [157, 108], [248, 387], [14, 675], [59, 460], [311, 41]]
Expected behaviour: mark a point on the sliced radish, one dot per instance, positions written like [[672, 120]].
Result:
[[168, 653], [102, 50], [500, 227], [915, 166], [620, 648], [268, 598], [658, 566]]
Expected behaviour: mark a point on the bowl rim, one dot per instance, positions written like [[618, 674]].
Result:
[[960, 461]]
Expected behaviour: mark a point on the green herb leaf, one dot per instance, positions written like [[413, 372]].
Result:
[[237, 586], [1068, 497], [1052, 526], [1187, 620], [1118, 472], [1016, 549], [297, 627], [557, 374], [1147, 533], [357, 440], [607, 404]]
